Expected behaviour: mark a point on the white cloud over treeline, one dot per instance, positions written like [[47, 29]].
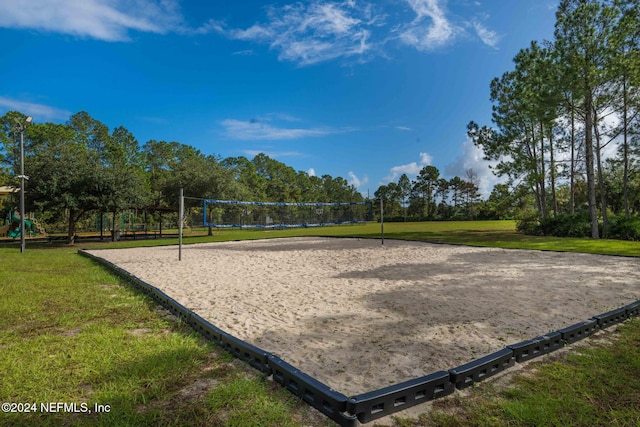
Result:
[[304, 33]]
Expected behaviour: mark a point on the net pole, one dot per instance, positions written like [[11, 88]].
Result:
[[181, 216]]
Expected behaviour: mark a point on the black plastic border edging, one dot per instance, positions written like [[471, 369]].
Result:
[[611, 318], [249, 353], [315, 393], [328, 401], [380, 403], [633, 309], [366, 407], [466, 375], [536, 347], [579, 331]]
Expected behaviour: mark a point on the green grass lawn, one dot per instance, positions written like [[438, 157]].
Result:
[[72, 332], [499, 234]]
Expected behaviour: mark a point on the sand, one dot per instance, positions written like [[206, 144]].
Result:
[[358, 315]]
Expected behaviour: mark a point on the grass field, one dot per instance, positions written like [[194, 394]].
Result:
[[499, 234], [71, 332]]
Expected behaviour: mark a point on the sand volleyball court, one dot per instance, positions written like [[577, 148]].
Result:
[[358, 315]]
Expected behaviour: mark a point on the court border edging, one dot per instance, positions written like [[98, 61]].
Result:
[[369, 406]]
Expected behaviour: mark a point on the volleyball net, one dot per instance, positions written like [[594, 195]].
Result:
[[245, 214]]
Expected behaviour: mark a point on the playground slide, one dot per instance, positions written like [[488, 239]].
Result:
[[15, 233], [4, 230]]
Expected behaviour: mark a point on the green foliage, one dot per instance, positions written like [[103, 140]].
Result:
[[429, 197], [565, 225], [553, 104], [529, 225], [625, 228], [80, 169], [578, 225]]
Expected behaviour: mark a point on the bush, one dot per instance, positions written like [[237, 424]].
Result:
[[621, 227], [528, 223], [576, 225], [564, 225], [579, 225]]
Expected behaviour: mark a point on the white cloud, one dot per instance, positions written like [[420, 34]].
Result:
[[283, 116], [431, 29], [404, 128], [310, 33], [37, 111], [472, 157], [246, 52], [411, 169], [258, 130], [304, 33], [311, 172], [357, 182], [108, 20], [256, 32], [488, 37], [273, 154]]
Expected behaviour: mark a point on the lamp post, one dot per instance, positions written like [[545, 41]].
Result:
[[21, 128]]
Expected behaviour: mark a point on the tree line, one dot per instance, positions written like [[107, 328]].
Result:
[[566, 122], [565, 136], [82, 167], [431, 197]]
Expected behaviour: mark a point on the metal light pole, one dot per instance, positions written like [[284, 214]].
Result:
[[21, 128], [181, 219]]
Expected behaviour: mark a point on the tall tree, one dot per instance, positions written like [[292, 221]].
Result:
[[525, 109], [10, 146], [425, 185], [456, 186], [391, 197], [63, 174], [404, 186], [244, 173], [280, 178], [626, 64], [583, 35], [121, 180]]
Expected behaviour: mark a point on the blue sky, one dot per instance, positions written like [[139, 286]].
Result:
[[362, 90]]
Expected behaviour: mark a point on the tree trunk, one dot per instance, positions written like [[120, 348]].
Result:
[[601, 186], [71, 231], [572, 172], [588, 146], [543, 172], [113, 229], [553, 174], [537, 187], [625, 147]]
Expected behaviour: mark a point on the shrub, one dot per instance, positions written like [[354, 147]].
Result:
[[563, 225], [621, 227], [528, 223]]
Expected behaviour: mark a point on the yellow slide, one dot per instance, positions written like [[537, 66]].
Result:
[[4, 230]]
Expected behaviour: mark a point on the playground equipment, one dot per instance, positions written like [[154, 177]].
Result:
[[131, 224], [12, 226], [105, 222]]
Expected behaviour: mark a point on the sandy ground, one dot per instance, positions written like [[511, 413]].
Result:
[[359, 316]]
